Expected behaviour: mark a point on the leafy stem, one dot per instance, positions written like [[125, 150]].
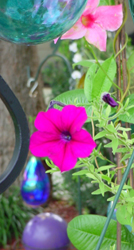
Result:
[[113, 83]]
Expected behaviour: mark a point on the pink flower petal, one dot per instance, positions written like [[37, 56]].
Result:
[[43, 144], [82, 144], [49, 121], [65, 158], [76, 32], [109, 17], [91, 6], [73, 118], [97, 36], [55, 40]]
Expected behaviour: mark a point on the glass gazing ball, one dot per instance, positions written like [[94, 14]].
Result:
[[109, 208], [35, 186], [46, 231], [37, 21]]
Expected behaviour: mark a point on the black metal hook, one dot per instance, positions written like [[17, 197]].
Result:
[[21, 136]]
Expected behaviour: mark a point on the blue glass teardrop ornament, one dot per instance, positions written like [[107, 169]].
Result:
[[37, 21], [35, 187]]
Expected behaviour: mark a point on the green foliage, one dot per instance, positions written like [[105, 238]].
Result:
[[13, 215], [97, 82], [97, 178], [75, 97], [129, 117], [56, 75], [130, 63], [84, 232], [94, 204]]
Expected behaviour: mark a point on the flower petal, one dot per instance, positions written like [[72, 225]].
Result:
[[43, 144], [49, 121], [55, 40], [109, 100], [76, 32], [82, 144], [97, 36], [73, 118], [91, 6], [64, 159], [109, 17]]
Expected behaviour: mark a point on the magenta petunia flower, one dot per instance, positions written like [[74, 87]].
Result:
[[60, 136], [94, 22]]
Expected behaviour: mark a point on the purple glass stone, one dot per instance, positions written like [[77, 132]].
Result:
[[46, 231], [35, 187]]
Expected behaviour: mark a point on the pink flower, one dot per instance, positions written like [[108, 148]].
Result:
[[94, 22], [60, 136]]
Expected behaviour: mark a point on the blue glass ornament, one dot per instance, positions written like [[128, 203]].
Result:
[[37, 21], [35, 187], [109, 208]]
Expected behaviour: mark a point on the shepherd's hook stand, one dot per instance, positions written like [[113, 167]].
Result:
[[21, 136]]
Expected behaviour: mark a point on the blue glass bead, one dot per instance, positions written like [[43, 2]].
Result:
[[35, 187], [37, 21]]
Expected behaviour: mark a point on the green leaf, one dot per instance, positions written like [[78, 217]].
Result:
[[98, 191], [127, 156], [91, 176], [105, 168], [123, 215], [101, 82], [124, 117], [111, 128], [82, 172], [88, 83], [106, 178], [111, 198], [100, 135], [130, 63], [70, 96], [115, 143], [104, 2], [84, 232], [122, 150], [84, 63], [101, 186]]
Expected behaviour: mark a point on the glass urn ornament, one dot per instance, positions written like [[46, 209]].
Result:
[[37, 21], [35, 186], [46, 231]]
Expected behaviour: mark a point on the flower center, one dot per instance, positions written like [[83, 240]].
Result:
[[87, 20], [66, 136]]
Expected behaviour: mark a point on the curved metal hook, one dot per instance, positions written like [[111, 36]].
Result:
[[34, 87], [21, 136], [53, 55]]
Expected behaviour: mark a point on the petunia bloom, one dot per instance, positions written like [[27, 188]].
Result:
[[60, 136], [109, 100], [94, 22]]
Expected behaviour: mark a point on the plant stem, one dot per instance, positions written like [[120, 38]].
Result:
[[117, 42], [115, 202], [125, 86]]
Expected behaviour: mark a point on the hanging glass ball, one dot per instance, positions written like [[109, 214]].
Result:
[[46, 231], [35, 187], [109, 208], [37, 21]]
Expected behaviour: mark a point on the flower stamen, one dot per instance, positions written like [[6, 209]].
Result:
[[66, 136]]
